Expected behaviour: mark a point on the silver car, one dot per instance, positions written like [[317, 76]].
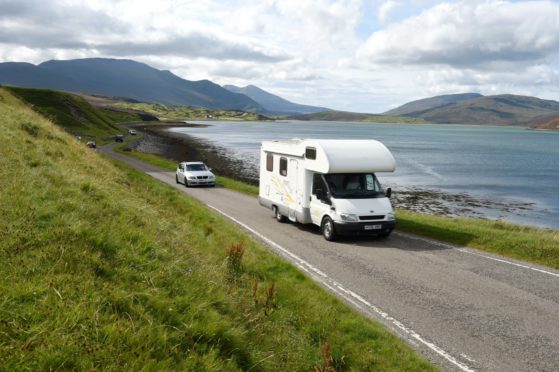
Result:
[[194, 173]]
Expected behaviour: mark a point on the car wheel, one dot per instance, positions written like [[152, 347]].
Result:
[[186, 182], [279, 217], [328, 229], [177, 178]]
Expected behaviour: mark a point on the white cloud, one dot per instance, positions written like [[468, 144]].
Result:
[[386, 8], [306, 49], [468, 34]]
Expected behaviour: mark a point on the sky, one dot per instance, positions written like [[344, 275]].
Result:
[[354, 55]]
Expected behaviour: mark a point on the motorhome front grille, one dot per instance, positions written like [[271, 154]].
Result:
[[371, 218], [202, 177]]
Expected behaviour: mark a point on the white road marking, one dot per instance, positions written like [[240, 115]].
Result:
[[349, 295], [465, 250]]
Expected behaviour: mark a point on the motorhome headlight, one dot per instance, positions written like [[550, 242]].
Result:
[[348, 217], [390, 217]]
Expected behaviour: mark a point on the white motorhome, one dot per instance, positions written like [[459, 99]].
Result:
[[330, 183]]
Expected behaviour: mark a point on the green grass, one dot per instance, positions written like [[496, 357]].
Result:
[[104, 267], [117, 116], [531, 244], [174, 113]]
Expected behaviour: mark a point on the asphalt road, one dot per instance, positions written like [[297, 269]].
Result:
[[465, 310]]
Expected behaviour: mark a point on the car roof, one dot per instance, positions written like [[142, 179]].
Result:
[[192, 162]]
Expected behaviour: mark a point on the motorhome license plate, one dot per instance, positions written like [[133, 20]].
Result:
[[373, 227]]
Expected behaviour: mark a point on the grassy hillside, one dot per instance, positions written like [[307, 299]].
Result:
[[75, 114], [174, 113], [504, 109], [353, 116], [422, 105], [106, 268]]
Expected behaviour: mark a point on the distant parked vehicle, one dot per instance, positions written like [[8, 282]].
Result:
[[119, 138], [194, 174], [91, 144], [132, 132]]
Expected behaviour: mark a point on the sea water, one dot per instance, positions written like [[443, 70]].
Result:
[[502, 164]]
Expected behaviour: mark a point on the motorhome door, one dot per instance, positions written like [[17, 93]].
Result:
[[319, 207], [295, 200]]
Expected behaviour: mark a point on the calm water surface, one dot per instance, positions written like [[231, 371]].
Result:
[[500, 163]]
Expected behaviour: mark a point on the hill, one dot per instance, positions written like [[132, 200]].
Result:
[[105, 268], [354, 116], [414, 107], [75, 114], [124, 78], [506, 109], [272, 103], [547, 122]]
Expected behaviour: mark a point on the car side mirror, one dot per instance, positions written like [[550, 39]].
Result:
[[388, 192]]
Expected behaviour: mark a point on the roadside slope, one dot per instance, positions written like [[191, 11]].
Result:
[[106, 268]]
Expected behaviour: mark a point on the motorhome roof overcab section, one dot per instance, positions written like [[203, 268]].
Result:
[[330, 183]]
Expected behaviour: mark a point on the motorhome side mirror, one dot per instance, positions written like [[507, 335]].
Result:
[[388, 192], [323, 197]]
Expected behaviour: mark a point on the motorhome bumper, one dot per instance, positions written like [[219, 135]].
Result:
[[372, 227]]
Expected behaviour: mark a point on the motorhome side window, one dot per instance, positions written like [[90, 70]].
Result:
[[283, 166], [269, 162], [318, 183], [310, 153]]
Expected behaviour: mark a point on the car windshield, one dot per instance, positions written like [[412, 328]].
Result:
[[196, 167], [354, 185]]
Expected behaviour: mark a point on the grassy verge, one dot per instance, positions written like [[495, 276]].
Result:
[[75, 114], [171, 165], [531, 244], [104, 267]]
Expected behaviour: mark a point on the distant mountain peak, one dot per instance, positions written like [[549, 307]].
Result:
[[272, 103]]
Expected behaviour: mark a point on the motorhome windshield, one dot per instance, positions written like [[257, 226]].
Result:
[[354, 185]]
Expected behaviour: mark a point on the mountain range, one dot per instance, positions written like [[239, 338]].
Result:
[[137, 81], [131, 80], [124, 78]]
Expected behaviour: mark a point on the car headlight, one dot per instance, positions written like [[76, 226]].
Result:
[[348, 217], [191, 178], [390, 217]]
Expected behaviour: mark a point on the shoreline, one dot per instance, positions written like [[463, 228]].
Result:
[[180, 147]]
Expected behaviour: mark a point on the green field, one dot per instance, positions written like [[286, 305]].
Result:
[[531, 244], [106, 268], [177, 113], [358, 117]]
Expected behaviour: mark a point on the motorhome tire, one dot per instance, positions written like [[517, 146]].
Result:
[[279, 217], [328, 229]]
